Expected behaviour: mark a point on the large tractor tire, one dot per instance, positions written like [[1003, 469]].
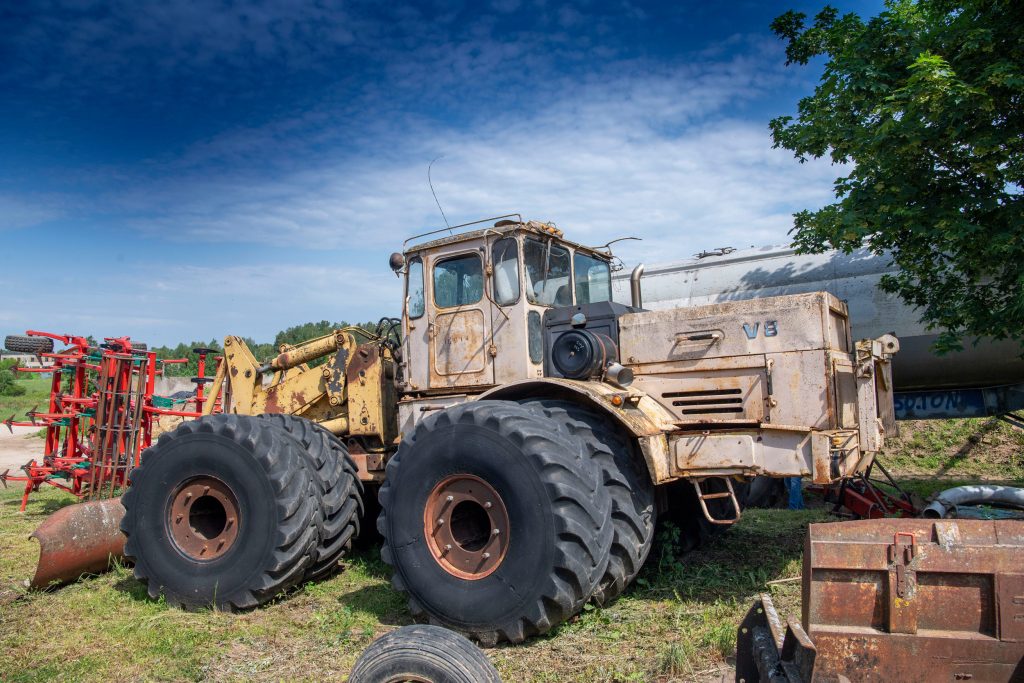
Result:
[[224, 512], [423, 653], [495, 521], [20, 344], [629, 485], [341, 491]]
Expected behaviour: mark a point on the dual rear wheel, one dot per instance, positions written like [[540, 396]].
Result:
[[230, 510]]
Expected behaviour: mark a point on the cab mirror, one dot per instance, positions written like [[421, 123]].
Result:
[[397, 262]]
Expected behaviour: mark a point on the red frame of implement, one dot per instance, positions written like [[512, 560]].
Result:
[[94, 438]]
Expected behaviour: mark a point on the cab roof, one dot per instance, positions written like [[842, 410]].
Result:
[[502, 225]]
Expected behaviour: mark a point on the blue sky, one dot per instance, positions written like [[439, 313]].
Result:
[[182, 170]]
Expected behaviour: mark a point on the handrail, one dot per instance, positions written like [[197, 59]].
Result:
[[462, 225]]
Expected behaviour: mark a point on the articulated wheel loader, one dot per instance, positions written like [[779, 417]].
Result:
[[521, 431]]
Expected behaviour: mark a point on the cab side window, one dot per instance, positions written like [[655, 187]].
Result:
[[505, 257], [458, 281], [415, 288]]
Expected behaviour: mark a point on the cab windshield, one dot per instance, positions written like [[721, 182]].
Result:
[[547, 273]]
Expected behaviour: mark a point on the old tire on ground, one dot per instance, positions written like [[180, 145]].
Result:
[[487, 465], [629, 485], [423, 653], [340, 490], [20, 344], [231, 488]]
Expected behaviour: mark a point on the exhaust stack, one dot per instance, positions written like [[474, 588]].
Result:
[[634, 286]]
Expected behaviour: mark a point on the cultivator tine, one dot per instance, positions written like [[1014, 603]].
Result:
[[10, 422]]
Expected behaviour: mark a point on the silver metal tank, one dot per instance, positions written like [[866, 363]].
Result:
[[726, 275]]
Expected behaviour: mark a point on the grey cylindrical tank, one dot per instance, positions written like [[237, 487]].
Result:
[[774, 271]]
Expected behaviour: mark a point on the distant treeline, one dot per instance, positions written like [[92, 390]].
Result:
[[262, 350]]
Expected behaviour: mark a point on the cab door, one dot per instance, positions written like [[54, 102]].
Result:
[[416, 350], [460, 330]]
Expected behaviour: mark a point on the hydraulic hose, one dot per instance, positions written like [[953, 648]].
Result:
[[987, 494]]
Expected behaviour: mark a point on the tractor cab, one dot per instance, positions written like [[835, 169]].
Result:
[[474, 301]]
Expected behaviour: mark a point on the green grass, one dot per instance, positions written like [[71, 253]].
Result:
[[978, 448], [680, 616], [37, 395], [678, 620]]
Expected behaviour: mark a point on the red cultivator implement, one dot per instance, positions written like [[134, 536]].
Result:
[[869, 497], [100, 417]]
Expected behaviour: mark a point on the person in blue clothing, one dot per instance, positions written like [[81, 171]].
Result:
[[796, 493]]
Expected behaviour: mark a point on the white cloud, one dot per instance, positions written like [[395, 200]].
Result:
[[18, 212], [160, 304], [652, 152], [668, 152]]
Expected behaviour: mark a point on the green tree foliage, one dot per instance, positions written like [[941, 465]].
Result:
[[8, 385], [9, 365], [925, 105], [183, 350]]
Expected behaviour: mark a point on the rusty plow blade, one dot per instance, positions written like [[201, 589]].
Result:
[[79, 539]]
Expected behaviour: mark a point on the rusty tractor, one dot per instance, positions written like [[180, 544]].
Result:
[[521, 430]]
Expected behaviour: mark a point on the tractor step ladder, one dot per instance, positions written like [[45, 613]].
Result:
[[703, 497]]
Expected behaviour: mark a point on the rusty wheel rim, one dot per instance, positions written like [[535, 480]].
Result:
[[203, 518], [466, 526]]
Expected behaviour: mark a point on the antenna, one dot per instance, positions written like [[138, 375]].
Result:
[[429, 182]]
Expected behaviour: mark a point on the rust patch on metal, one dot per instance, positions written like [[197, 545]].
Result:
[[899, 600], [458, 348], [78, 539], [365, 356], [203, 518], [466, 526]]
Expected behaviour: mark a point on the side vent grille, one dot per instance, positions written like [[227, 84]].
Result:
[[711, 401]]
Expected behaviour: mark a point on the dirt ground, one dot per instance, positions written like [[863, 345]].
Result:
[[18, 446]]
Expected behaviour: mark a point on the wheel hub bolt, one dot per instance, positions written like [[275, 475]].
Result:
[[486, 556], [487, 505], [450, 498], [495, 532], [440, 521]]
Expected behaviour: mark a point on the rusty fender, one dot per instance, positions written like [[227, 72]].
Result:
[[640, 414]]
